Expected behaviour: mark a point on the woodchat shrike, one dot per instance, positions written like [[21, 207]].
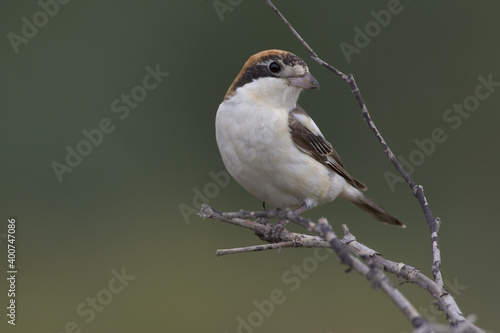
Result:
[[271, 146]]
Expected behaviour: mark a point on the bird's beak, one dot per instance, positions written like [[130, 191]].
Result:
[[307, 81]]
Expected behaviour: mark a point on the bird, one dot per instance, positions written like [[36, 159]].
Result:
[[274, 149]]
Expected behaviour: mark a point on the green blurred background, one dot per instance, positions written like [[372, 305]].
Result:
[[120, 208]]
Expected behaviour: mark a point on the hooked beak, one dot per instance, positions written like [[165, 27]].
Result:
[[307, 81]]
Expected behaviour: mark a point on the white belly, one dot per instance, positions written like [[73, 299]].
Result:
[[259, 153]]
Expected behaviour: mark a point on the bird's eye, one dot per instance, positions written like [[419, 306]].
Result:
[[274, 67]]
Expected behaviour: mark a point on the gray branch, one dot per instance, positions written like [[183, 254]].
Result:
[[350, 252], [433, 223], [418, 190], [372, 265]]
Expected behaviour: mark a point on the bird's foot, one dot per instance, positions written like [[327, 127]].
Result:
[[262, 221], [301, 209], [274, 232], [277, 229]]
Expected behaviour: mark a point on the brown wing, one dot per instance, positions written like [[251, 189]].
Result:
[[315, 145]]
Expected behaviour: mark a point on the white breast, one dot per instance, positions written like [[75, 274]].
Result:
[[256, 147]]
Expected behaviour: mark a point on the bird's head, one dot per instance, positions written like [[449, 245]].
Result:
[[275, 77]]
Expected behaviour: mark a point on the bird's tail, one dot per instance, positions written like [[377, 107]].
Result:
[[372, 208]]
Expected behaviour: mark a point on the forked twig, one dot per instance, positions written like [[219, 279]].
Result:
[[373, 266], [418, 190], [367, 261], [366, 267]]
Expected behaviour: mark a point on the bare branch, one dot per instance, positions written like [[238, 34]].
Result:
[[286, 239], [418, 190], [455, 317], [367, 261], [254, 248], [369, 268]]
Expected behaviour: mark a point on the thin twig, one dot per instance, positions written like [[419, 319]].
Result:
[[418, 190], [255, 248], [286, 239], [372, 265], [371, 270], [376, 276]]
